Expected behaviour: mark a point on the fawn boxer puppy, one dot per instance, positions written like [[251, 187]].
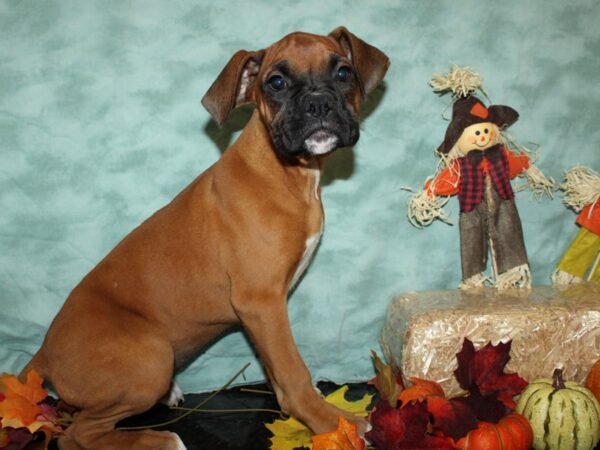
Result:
[[225, 251]]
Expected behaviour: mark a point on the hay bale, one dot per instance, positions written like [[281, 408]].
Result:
[[424, 330]]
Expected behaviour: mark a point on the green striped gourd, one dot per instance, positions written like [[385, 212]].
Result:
[[563, 415]]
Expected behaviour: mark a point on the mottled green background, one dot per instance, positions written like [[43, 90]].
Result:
[[101, 124]]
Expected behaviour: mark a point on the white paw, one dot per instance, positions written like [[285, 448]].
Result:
[[318, 391], [174, 397], [180, 444]]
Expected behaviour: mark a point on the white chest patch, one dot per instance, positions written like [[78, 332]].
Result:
[[317, 176], [311, 245]]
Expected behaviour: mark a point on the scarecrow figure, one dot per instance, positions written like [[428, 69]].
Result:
[[581, 261], [478, 168]]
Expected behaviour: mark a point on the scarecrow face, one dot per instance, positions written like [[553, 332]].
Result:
[[480, 136]]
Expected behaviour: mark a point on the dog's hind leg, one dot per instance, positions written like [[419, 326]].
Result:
[[95, 430], [129, 368], [94, 427]]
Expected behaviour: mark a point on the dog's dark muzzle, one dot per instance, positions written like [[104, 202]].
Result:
[[317, 106], [316, 123]]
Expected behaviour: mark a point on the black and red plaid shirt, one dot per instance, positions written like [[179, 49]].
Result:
[[472, 177]]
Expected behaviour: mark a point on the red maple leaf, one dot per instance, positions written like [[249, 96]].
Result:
[[403, 428], [489, 397], [482, 371], [451, 417]]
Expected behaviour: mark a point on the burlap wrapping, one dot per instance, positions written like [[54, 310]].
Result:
[[424, 331]]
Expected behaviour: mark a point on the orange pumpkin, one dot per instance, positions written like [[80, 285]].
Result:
[[512, 432], [593, 380]]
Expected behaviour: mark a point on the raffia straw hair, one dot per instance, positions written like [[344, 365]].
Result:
[[423, 209], [461, 81], [539, 183], [582, 187]]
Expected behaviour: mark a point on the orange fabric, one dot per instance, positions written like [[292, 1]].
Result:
[[589, 218], [516, 163], [480, 111], [448, 181]]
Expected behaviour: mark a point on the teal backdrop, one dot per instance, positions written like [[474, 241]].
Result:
[[101, 125]]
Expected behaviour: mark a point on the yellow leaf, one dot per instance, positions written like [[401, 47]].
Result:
[[358, 408], [34, 426], [291, 433]]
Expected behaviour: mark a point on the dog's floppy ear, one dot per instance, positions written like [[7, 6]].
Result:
[[233, 86], [370, 62]]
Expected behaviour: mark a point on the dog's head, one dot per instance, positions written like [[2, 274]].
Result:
[[307, 88]]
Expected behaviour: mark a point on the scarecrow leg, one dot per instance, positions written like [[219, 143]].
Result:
[[506, 234], [473, 246]]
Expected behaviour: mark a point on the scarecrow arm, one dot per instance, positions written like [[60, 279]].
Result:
[[446, 183], [516, 163], [589, 218]]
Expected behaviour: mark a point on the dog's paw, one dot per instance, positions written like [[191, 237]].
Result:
[[174, 397], [178, 441]]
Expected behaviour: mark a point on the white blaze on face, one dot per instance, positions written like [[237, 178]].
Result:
[[321, 142]]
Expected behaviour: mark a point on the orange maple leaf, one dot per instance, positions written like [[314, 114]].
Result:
[[420, 390], [344, 438], [21, 400]]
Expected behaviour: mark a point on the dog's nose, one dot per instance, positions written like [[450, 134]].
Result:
[[317, 106]]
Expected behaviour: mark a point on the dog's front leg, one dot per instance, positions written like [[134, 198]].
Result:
[[266, 322]]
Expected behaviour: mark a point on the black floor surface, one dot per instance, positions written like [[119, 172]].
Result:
[[226, 430]]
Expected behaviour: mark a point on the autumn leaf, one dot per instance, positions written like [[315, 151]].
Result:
[[3, 437], [16, 439], [20, 405], [32, 390], [482, 372], [420, 390], [388, 383], [451, 417], [291, 433], [425, 413], [344, 438], [403, 428], [486, 407]]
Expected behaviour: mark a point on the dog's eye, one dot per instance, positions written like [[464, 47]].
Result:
[[276, 82], [343, 73]]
